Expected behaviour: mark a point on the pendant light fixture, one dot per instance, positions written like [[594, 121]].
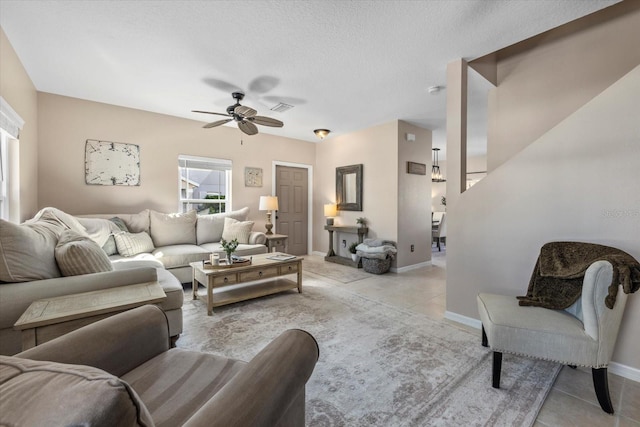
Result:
[[436, 176]]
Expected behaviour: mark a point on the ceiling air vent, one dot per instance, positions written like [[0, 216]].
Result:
[[281, 107]]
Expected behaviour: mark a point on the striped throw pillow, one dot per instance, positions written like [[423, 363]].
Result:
[[130, 244], [234, 229], [77, 254]]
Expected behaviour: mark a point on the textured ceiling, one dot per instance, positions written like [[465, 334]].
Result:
[[343, 65]]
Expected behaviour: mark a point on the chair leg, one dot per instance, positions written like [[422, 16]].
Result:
[[485, 341], [497, 367], [439, 245], [601, 385]]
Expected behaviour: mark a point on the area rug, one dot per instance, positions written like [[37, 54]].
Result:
[[333, 271], [379, 365]]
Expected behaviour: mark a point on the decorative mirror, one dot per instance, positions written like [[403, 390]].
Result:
[[349, 188]]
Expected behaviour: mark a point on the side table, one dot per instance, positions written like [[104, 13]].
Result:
[[49, 318], [279, 242]]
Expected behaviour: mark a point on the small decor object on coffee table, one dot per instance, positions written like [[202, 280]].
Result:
[[361, 221], [229, 248]]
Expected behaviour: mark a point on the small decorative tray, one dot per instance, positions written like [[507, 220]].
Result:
[[223, 264]]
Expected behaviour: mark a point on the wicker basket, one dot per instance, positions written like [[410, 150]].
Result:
[[375, 265]]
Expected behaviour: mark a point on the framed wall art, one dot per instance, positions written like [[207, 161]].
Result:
[[111, 163], [416, 168], [252, 177]]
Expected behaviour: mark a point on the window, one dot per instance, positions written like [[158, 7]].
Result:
[[205, 184], [4, 175], [10, 125]]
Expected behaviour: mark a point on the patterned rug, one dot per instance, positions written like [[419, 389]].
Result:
[[379, 365], [340, 273]]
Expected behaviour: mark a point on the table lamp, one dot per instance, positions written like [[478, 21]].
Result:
[[330, 211], [268, 203]]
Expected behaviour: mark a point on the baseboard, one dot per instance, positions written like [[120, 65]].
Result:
[[410, 267], [625, 371], [469, 321]]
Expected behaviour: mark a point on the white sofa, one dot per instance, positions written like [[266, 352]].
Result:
[[29, 267]]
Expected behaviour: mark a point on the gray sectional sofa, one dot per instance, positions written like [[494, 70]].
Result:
[[155, 246]]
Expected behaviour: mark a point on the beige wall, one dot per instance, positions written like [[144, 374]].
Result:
[[376, 148], [578, 181], [66, 123], [534, 96], [18, 90], [396, 205], [414, 203]]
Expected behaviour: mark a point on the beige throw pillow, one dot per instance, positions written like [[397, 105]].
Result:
[[173, 229], [77, 254], [209, 227], [130, 244], [27, 250], [234, 229]]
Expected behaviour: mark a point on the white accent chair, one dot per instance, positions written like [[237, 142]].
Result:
[[582, 335], [439, 231]]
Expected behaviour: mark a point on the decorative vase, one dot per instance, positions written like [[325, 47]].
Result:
[[354, 257], [229, 259]]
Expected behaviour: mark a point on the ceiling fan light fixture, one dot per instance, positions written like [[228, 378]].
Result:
[[322, 133]]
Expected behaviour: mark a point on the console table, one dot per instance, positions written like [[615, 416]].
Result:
[[331, 255]]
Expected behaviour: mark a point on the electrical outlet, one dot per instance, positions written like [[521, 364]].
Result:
[[344, 243], [413, 248]]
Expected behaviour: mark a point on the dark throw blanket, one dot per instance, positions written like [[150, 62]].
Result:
[[556, 281]]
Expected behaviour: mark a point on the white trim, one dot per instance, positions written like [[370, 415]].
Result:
[[410, 267], [469, 321], [309, 195], [10, 121], [322, 254], [624, 371]]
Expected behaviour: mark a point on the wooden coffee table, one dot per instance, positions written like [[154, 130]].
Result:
[[229, 280], [49, 318]]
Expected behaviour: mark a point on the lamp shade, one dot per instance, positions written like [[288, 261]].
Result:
[[268, 203], [330, 210]]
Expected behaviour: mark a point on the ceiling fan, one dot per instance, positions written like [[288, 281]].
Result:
[[245, 116]]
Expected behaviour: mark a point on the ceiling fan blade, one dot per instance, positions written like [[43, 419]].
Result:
[[248, 127], [210, 112], [266, 121], [245, 111], [217, 123]]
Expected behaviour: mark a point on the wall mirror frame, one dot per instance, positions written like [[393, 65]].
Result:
[[349, 188]]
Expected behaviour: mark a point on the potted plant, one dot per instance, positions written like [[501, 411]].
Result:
[[361, 221], [229, 248], [352, 249]]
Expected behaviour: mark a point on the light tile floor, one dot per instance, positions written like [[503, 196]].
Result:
[[571, 402]]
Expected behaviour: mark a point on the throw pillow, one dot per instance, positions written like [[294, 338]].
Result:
[[44, 393], [27, 250], [173, 229], [209, 227], [77, 254], [116, 225], [130, 244], [234, 229]]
